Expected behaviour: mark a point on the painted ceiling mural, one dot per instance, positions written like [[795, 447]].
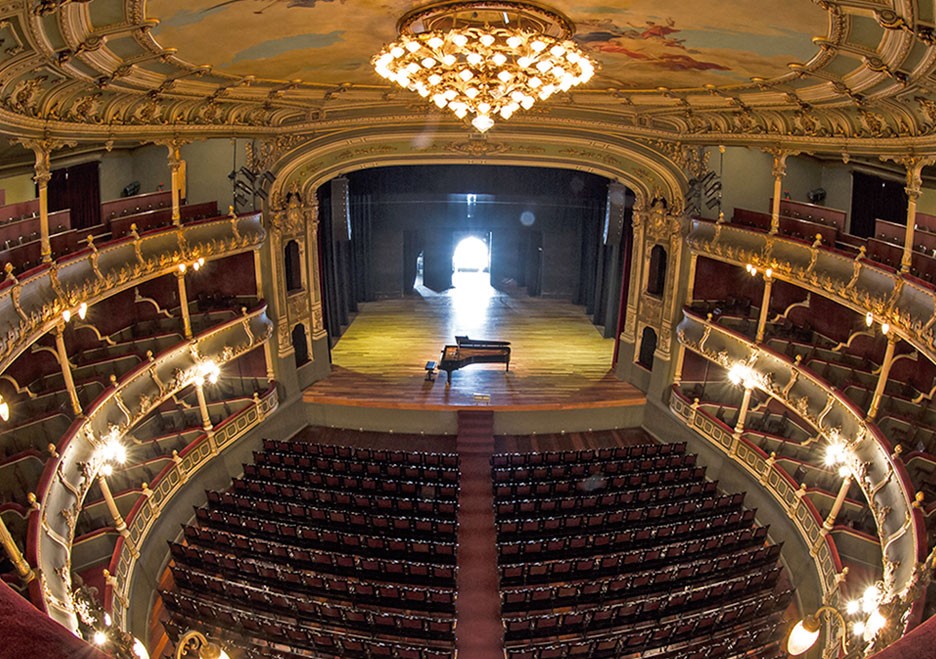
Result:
[[834, 76], [641, 44]]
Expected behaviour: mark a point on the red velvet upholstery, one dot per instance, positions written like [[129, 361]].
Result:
[[26, 633]]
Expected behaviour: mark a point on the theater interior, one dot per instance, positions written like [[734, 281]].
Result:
[[476, 328]]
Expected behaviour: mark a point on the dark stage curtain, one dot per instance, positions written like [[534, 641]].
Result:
[[875, 198], [77, 188]]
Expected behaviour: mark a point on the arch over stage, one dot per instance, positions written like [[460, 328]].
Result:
[[637, 164]]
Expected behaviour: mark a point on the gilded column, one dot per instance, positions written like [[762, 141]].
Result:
[[23, 569], [66, 368], [765, 306], [914, 166], [882, 377], [778, 171], [176, 165], [43, 173], [183, 302], [315, 282], [633, 292]]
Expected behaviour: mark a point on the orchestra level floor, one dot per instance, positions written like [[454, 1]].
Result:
[[559, 359]]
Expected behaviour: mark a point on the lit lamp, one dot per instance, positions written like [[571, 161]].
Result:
[[194, 644], [111, 452], [486, 58], [206, 371], [4, 409], [806, 632]]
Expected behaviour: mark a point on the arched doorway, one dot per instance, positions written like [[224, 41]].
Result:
[[657, 275], [648, 343], [471, 262], [300, 345]]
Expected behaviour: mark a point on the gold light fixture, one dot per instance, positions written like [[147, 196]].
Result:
[[195, 644], [806, 632], [488, 59]]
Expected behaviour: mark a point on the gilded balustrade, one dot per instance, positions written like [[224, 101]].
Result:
[[67, 479], [31, 307], [853, 282], [881, 476], [165, 486], [780, 486]]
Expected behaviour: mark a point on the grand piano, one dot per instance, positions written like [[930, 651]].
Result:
[[472, 351]]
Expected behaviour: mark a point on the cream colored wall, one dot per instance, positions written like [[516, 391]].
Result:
[[927, 202], [18, 188], [116, 172], [208, 164], [747, 181]]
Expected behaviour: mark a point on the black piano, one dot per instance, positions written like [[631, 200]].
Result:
[[468, 351]]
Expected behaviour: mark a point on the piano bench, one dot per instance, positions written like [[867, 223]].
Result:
[[430, 371]]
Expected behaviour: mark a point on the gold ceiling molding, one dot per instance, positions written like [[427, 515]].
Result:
[[62, 76]]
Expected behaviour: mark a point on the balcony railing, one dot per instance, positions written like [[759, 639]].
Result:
[[881, 476], [907, 304], [161, 492], [66, 479], [31, 306], [775, 481]]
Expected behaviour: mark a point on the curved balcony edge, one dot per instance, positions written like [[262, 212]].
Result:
[[882, 478], [776, 482], [167, 483], [66, 480], [853, 282], [32, 306]]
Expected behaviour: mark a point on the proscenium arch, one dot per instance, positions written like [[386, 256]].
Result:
[[643, 169]]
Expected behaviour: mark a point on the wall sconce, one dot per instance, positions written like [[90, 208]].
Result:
[[806, 631], [4, 409], [743, 374], [81, 312], [195, 265]]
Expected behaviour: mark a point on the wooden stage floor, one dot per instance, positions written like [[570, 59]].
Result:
[[559, 360]]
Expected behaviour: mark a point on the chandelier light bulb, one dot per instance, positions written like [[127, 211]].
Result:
[[487, 60]]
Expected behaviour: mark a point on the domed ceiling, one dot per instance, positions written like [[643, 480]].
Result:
[[644, 44], [814, 76]]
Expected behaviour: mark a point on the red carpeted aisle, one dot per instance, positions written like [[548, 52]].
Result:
[[479, 633]]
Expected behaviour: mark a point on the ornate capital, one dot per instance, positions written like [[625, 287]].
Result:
[[174, 145], [779, 160], [43, 149], [914, 165]]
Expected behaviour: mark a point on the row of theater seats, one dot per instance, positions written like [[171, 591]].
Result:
[[287, 495], [212, 549], [607, 500], [654, 558], [608, 589], [358, 467], [363, 483], [749, 639], [354, 544], [257, 634], [323, 517], [320, 613], [294, 448], [614, 563], [592, 456]]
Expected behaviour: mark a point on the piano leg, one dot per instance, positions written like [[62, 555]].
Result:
[[448, 378]]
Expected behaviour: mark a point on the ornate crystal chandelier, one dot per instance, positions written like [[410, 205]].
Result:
[[486, 58]]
